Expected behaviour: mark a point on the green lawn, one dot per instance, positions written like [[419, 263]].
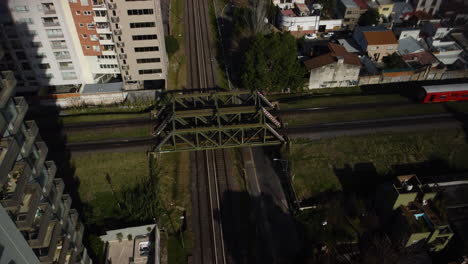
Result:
[[313, 162], [110, 133], [373, 113], [309, 101], [100, 117], [178, 61]]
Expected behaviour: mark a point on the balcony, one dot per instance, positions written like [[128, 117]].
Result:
[[46, 182], [59, 46], [42, 150], [100, 19], [120, 44], [125, 67], [9, 150], [21, 108], [7, 85], [62, 57], [43, 226], [51, 24], [55, 36], [32, 132], [118, 32], [103, 30], [115, 19], [30, 202], [18, 178], [66, 68], [106, 41], [56, 193], [123, 56], [46, 253], [49, 11], [112, 6]]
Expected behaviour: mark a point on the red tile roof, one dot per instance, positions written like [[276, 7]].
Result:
[[380, 37], [362, 4], [424, 57], [288, 12], [336, 50]]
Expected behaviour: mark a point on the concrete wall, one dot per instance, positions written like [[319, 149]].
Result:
[[334, 75], [331, 24], [307, 23]]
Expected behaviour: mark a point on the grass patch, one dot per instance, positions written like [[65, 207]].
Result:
[[178, 61], [374, 113], [124, 168], [109, 133], [101, 117], [313, 162], [324, 101]]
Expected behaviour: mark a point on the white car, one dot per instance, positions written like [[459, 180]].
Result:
[[328, 34], [310, 36]]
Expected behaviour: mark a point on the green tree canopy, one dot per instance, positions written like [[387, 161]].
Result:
[[172, 45], [271, 64], [394, 61], [369, 18]]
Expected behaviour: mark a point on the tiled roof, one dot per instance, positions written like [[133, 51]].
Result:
[[336, 50], [380, 37], [424, 58], [288, 12], [362, 4]]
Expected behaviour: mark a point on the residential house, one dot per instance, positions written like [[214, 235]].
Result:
[[447, 52], [287, 4], [435, 31], [404, 32], [338, 68], [428, 6], [409, 45], [413, 213], [400, 9], [350, 12], [303, 19], [385, 7], [377, 41]]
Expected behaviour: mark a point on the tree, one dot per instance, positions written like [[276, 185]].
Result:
[[394, 61], [172, 45], [271, 64], [328, 8], [369, 18]]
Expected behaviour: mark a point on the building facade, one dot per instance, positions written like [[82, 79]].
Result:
[[58, 45], [30, 195], [429, 6], [378, 42], [350, 12]]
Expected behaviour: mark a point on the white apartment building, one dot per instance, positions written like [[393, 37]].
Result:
[[61, 45], [429, 6]]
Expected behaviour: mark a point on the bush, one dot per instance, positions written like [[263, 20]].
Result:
[[119, 237], [129, 237], [172, 45]]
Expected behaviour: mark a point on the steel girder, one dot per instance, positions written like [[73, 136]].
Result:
[[200, 121]]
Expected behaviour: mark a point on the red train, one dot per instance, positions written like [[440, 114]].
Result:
[[444, 93]]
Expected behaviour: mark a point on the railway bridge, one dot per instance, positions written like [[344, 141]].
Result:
[[215, 120]]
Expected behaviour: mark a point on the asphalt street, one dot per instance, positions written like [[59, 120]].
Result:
[[276, 229]]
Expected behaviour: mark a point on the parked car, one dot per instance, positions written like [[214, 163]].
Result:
[[328, 34], [310, 36]]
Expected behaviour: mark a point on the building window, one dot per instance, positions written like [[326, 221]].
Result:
[[84, 36], [93, 37], [135, 12], [142, 25], [108, 66], [390, 47], [349, 12], [106, 56], [87, 13], [144, 37], [88, 47], [96, 48], [26, 20], [21, 8], [146, 49], [386, 9], [90, 26], [148, 60], [81, 25], [151, 71], [100, 13], [78, 13]]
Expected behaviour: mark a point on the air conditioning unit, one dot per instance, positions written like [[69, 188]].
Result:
[[120, 44], [125, 67], [118, 32], [112, 6], [123, 56], [115, 19], [128, 78]]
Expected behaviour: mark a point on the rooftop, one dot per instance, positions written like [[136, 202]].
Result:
[[349, 3], [102, 87], [385, 2], [336, 51], [288, 12], [409, 45], [380, 37], [407, 183], [362, 4], [418, 59]]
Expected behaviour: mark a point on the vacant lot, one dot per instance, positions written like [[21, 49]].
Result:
[[313, 163]]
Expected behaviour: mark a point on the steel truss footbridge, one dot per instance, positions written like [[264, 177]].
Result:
[[215, 120]]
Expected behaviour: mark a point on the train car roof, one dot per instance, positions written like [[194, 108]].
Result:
[[446, 88]]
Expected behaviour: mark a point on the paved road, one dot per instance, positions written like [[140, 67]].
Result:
[[276, 231]]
